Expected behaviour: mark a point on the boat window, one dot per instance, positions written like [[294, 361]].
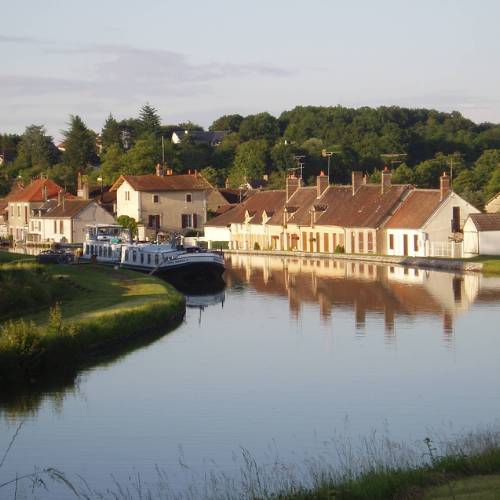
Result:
[[134, 256], [87, 249], [100, 251], [156, 259], [142, 258], [126, 254], [149, 258]]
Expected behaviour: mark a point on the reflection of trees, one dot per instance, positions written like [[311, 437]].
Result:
[[26, 400]]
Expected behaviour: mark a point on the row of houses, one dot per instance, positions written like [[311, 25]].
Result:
[[361, 218], [43, 213]]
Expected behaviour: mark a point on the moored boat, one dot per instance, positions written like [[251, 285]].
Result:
[[112, 244]]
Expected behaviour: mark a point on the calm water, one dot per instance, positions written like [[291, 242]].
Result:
[[291, 353]]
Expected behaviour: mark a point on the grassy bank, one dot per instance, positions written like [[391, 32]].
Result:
[[491, 264], [460, 474], [97, 311]]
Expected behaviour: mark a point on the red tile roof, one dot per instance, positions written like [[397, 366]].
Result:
[[302, 199], [256, 203], [70, 208], [164, 183], [35, 191], [486, 222], [416, 209], [369, 207]]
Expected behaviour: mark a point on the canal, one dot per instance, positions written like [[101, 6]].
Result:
[[294, 353]]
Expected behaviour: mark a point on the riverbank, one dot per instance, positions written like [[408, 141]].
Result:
[[474, 265], [450, 477], [102, 311]]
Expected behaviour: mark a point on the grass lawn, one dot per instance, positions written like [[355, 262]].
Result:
[[476, 487], [6, 256], [94, 291], [491, 263]]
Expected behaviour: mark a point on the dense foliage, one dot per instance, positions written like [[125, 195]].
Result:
[[422, 143]]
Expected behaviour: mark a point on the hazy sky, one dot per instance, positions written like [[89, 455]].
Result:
[[197, 59]]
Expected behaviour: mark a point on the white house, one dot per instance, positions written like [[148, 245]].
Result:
[[65, 220], [428, 223], [482, 235]]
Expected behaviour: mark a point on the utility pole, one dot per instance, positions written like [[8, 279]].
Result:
[[449, 161], [300, 164], [162, 152]]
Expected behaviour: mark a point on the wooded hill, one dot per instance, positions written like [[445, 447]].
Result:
[[428, 141]]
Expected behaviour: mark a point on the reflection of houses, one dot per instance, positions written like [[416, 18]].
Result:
[[362, 287], [482, 235], [359, 219], [163, 202], [429, 222]]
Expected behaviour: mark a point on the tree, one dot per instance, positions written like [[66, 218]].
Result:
[[112, 164], [79, 144], [35, 152], [143, 156], [211, 175], [150, 122], [111, 134], [403, 174], [227, 122], [250, 162], [260, 126], [128, 223]]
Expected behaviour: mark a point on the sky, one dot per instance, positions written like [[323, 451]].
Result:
[[197, 60]]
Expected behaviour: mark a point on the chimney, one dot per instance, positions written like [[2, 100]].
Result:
[[386, 179], [265, 177], [79, 181], [357, 181], [292, 184], [444, 185], [227, 184], [60, 197], [170, 171], [159, 170], [321, 184], [44, 192]]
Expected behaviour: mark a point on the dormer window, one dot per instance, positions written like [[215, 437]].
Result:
[[189, 197], [156, 198]]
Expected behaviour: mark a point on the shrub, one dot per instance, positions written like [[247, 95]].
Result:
[[339, 249], [256, 246]]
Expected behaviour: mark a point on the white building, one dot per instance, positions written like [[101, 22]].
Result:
[[65, 220], [482, 235], [429, 223], [493, 205]]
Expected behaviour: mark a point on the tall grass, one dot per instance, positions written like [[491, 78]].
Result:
[[371, 468], [28, 350], [25, 286]]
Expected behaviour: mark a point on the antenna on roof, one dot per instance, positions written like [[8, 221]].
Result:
[[394, 158], [300, 165]]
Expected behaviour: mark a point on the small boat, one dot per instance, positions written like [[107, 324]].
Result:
[[112, 244]]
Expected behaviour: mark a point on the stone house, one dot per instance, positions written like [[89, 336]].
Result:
[[21, 204], [170, 203]]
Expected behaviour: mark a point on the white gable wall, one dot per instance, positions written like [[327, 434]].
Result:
[[127, 204]]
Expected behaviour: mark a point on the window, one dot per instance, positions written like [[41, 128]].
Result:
[[353, 243], [195, 220], [100, 251], [154, 221], [55, 227], [19, 210], [127, 195], [87, 249], [334, 241], [142, 258], [126, 254], [61, 226], [391, 242], [156, 198], [370, 242], [156, 259], [189, 197], [361, 242], [186, 220], [341, 240], [415, 242], [134, 256], [149, 258], [325, 242], [304, 242]]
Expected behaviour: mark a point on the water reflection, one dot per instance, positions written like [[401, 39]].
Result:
[[363, 288]]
